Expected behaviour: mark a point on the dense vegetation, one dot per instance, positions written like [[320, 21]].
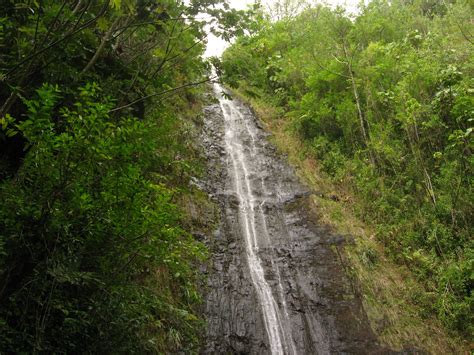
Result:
[[384, 101], [94, 155]]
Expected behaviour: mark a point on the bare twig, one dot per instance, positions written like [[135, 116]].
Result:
[[162, 93], [60, 40]]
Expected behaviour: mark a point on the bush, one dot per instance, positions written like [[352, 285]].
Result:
[[91, 253]]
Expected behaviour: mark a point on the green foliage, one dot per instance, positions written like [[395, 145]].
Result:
[[94, 155], [407, 155], [83, 224]]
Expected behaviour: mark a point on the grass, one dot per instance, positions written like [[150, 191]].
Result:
[[389, 290]]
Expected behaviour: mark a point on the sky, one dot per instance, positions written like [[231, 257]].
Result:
[[215, 46]]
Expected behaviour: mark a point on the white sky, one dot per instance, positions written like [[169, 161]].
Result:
[[215, 45]]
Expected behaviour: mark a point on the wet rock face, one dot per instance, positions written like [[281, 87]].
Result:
[[275, 285]]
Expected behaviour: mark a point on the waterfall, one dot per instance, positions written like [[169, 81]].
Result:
[[240, 169]]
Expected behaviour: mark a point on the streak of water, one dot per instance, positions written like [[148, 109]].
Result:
[[287, 331], [289, 344], [275, 285], [279, 340]]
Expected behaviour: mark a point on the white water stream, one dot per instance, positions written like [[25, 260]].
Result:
[[235, 122]]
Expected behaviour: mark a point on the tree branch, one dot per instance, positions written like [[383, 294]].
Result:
[[60, 40], [326, 69], [162, 93]]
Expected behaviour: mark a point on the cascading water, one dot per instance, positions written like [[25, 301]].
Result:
[[274, 283], [278, 338]]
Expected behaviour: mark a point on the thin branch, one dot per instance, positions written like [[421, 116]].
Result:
[[53, 23], [162, 93], [339, 60], [60, 40], [179, 56], [77, 7], [138, 24], [101, 47], [466, 37], [84, 10], [328, 70], [37, 25], [169, 49]]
